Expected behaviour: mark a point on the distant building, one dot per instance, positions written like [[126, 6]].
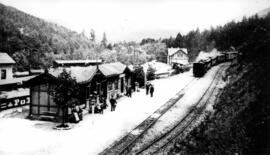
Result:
[[177, 56], [12, 93], [6, 66], [81, 63]]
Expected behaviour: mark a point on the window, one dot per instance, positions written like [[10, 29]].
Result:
[[116, 84], [3, 74]]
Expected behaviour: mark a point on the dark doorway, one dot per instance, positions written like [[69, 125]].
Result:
[[122, 85]]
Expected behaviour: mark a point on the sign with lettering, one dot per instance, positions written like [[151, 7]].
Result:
[[14, 102]]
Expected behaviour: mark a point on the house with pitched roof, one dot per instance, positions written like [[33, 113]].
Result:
[[177, 56], [6, 66]]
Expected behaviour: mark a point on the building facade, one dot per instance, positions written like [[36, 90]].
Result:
[[95, 82], [6, 66], [177, 56]]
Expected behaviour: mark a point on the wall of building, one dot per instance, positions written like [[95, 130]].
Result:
[[177, 57], [41, 101], [114, 86], [9, 73]]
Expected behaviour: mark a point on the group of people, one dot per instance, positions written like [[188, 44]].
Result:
[[149, 89], [101, 105]]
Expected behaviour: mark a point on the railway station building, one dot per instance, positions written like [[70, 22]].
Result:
[[105, 80], [177, 56]]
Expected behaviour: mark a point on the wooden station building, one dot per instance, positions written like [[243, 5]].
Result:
[[104, 80]]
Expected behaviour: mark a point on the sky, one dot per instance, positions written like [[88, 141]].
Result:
[[132, 20]]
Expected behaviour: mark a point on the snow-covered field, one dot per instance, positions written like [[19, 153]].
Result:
[[94, 133]]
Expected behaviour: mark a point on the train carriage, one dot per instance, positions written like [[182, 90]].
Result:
[[199, 69], [221, 58], [214, 60], [231, 55], [208, 64]]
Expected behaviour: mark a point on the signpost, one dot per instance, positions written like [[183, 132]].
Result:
[[93, 102]]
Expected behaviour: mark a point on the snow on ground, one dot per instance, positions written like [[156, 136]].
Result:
[[181, 108], [94, 133]]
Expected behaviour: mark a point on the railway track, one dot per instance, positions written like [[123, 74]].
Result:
[[161, 142], [125, 144]]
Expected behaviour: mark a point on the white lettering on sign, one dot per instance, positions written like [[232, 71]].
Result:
[[16, 102], [22, 102], [28, 100], [10, 104]]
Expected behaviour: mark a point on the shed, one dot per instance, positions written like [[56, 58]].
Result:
[[41, 102]]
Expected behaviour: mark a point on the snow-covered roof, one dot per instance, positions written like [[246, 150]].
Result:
[[16, 80], [15, 93], [36, 71], [181, 61], [6, 59], [77, 61], [172, 51], [131, 67], [25, 73], [112, 68], [81, 74]]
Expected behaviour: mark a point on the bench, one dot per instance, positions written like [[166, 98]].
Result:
[[48, 115], [47, 118]]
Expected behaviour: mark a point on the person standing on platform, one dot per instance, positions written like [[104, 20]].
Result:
[[152, 89], [127, 88], [130, 91], [113, 103], [147, 86], [137, 86]]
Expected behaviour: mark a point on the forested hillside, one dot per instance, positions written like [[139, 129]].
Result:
[[241, 118], [33, 42]]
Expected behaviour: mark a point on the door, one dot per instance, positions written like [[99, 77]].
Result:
[[122, 85]]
